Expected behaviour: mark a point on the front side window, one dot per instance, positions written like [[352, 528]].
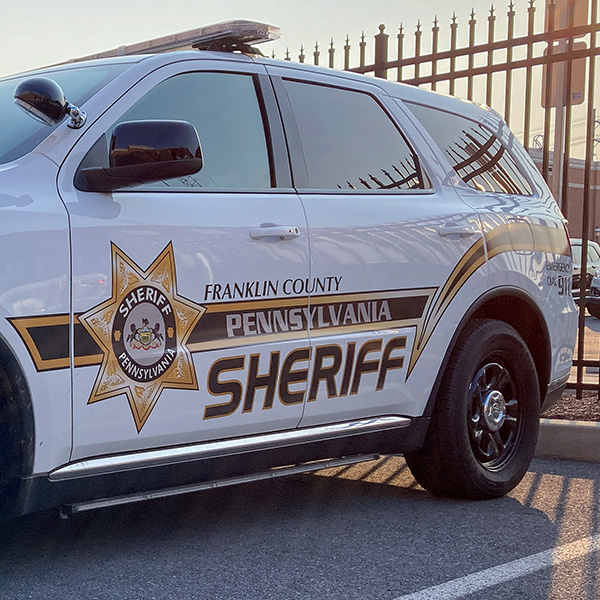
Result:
[[477, 155], [349, 141], [224, 108]]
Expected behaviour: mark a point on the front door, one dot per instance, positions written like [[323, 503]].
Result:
[[175, 284]]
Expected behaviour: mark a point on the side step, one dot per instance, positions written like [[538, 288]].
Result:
[[72, 509]]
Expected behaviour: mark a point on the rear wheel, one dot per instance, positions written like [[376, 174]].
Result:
[[484, 427]]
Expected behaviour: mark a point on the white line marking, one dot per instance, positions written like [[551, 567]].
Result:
[[463, 586]]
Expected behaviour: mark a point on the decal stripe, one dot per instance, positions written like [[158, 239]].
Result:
[[47, 337], [512, 237], [267, 320]]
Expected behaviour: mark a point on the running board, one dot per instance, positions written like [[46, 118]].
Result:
[[72, 509]]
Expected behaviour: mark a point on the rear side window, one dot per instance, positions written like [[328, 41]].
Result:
[[350, 142], [477, 155]]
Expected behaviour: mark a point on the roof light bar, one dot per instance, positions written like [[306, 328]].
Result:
[[228, 36]]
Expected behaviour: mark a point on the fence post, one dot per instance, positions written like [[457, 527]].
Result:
[[435, 31], [472, 23], [381, 52], [362, 46], [331, 53], [347, 54], [400, 49], [453, 28], [418, 34], [316, 55]]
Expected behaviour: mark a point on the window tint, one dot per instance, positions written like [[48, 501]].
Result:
[[224, 109], [349, 142], [477, 155]]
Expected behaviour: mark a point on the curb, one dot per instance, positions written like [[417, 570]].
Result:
[[569, 440]]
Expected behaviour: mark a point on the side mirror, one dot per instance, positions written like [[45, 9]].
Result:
[[144, 152], [44, 100]]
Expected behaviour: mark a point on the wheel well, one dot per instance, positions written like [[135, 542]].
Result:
[[522, 314], [16, 421]]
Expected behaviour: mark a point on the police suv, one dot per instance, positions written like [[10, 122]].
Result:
[[219, 267]]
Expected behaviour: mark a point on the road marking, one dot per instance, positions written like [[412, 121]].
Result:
[[463, 586]]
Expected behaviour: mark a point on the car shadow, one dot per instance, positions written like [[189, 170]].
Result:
[[335, 532]]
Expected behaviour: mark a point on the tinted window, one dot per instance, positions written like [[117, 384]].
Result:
[[225, 110], [477, 155], [349, 142]]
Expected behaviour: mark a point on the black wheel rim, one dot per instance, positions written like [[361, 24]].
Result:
[[494, 418]]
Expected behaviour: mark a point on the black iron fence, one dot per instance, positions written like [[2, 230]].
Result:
[[540, 74]]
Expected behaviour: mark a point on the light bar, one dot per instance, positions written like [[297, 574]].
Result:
[[229, 35]]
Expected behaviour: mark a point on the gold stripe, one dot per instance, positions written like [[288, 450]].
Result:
[[24, 324], [303, 301]]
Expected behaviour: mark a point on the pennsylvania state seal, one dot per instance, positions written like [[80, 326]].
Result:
[[143, 330]]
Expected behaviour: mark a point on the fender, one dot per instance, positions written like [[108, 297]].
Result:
[[488, 305]]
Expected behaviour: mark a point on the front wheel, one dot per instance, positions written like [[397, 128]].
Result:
[[484, 427]]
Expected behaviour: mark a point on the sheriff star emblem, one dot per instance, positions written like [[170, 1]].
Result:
[[143, 330]]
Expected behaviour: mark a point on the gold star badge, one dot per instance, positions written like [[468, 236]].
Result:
[[143, 330]]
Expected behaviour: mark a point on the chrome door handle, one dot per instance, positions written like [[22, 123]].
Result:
[[283, 232], [457, 231]]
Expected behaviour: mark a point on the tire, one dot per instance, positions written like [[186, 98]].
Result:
[[12, 441], [485, 423]]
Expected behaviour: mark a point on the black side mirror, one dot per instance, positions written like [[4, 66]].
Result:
[[144, 152], [44, 100]]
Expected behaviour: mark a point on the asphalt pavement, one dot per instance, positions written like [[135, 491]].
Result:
[[364, 532]]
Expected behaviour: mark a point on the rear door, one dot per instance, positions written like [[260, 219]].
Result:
[[387, 227], [175, 284]]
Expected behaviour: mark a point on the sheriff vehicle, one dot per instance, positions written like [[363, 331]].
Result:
[[220, 267]]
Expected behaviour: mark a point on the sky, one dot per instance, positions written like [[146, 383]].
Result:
[[36, 33]]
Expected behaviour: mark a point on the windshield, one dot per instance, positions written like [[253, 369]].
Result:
[[20, 133]]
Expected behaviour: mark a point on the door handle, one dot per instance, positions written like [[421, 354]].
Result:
[[456, 232], [283, 232]]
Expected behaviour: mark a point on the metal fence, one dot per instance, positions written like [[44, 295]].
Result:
[[525, 73]]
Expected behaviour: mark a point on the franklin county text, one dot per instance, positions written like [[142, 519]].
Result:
[[269, 288]]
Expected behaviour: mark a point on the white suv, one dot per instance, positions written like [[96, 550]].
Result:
[[217, 265]]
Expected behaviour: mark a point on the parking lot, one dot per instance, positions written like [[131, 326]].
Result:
[[361, 532]]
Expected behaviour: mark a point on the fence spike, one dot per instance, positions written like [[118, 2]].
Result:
[[301, 56], [287, 54], [316, 54]]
